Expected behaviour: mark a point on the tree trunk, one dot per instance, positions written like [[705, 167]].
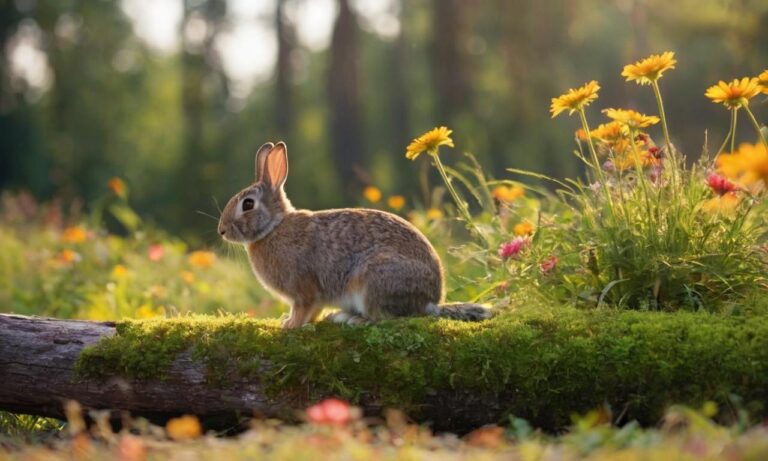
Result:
[[343, 82], [37, 358], [283, 72]]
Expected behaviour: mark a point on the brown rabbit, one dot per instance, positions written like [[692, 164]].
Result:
[[373, 265]]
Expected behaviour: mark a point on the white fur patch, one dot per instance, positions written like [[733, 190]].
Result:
[[353, 302]]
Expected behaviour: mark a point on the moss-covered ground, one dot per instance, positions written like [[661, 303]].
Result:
[[540, 364]]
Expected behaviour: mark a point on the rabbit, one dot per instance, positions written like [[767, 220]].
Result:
[[372, 264]]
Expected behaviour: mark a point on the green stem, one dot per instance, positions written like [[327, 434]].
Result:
[[595, 161], [728, 136], [641, 179], [733, 130], [663, 116], [670, 150], [757, 125], [460, 204]]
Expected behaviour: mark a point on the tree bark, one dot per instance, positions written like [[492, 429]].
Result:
[[37, 358]]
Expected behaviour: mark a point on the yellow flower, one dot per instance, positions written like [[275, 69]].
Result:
[[117, 186], [188, 277], [434, 214], [523, 228], [119, 271], [74, 234], [650, 69], [763, 81], [396, 202], [145, 311], [725, 204], [184, 428], [632, 119], [372, 194], [575, 99], [429, 142], [608, 131], [735, 94], [748, 165], [202, 259], [507, 194]]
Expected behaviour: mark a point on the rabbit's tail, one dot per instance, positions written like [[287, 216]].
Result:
[[468, 312]]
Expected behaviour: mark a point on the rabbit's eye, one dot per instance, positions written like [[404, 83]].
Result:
[[248, 204]]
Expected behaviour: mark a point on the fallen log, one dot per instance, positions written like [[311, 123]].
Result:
[[37, 375], [543, 365]]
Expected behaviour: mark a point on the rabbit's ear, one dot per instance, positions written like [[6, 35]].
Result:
[[276, 166], [261, 158]]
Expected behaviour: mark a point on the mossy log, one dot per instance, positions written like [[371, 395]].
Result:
[[38, 359], [543, 365]]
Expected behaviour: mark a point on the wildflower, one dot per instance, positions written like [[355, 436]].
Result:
[[202, 259], [720, 184], [117, 186], [748, 165], [513, 247], [609, 167], [434, 214], [575, 99], [188, 277], [146, 312], [722, 204], [507, 194], [429, 142], [581, 135], [762, 80], [155, 252], [372, 194], [650, 69], [74, 234], [611, 131], [523, 228], [735, 94], [131, 448], [396, 202], [632, 119], [68, 257], [548, 265], [333, 412], [185, 427], [119, 271]]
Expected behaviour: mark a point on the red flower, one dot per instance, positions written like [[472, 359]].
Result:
[[513, 248], [155, 252], [331, 411], [548, 265], [720, 184]]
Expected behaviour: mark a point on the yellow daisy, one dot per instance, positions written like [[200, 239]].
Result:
[[611, 131], [523, 228], [202, 259], [725, 204], [429, 142], [575, 99], [372, 194], [748, 165], [735, 94], [650, 69], [507, 194], [632, 119], [396, 202], [762, 80]]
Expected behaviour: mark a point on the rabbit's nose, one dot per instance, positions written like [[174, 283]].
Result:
[[222, 231]]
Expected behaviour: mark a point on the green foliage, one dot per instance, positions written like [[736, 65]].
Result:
[[540, 364]]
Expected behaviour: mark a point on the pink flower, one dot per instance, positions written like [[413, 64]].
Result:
[[513, 248], [548, 265], [332, 411], [155, 252], [720, 184]]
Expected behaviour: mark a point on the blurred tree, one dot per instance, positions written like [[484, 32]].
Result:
[[344, 99], [204, 94], [286, 43], [451, 23]]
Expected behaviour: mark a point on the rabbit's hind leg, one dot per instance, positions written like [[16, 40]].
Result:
[[399, 287], [347, 318]]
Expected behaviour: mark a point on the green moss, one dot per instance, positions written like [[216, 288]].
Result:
[[543, 365]]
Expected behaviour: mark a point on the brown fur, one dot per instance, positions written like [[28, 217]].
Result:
[[372, 264]]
